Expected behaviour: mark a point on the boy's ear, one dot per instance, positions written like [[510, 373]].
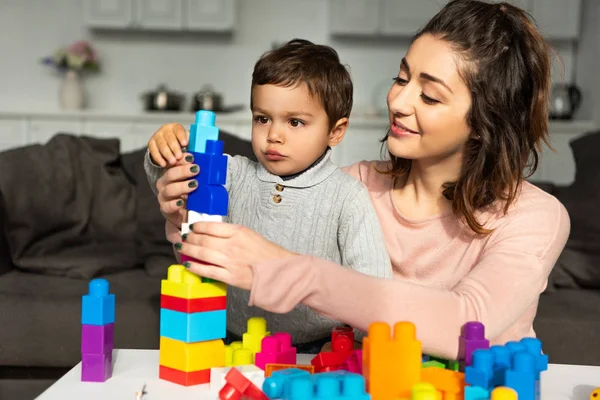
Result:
[[338, 131]]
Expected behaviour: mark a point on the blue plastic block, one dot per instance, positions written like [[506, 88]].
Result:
[[277, 385], [534, 347], [476, 393], [202, 130], [209, 199], [98, 306], [213, 164], [481, 371], [502, 362], [193, 327], [521, 377]]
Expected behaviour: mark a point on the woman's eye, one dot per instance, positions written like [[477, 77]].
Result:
[[428, 100], [400, 81]]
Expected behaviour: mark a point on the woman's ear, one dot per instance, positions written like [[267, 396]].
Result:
[[338, 131]]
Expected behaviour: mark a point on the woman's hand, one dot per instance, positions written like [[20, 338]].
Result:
[[173, 188], [227, 252]]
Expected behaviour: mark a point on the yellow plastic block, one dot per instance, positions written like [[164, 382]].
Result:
[[182, 283], [425, 391], [190, 357], [236, 355], [503, 393], [257, 330]]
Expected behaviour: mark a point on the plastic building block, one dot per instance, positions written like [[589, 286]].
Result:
[[251, 372], [482, 371], [342, 339], [391, 366], [450, 383], [97, 339], [595, 395], [448, 364], [202, 130], [190, 357], [184, 284], [193, 217], [353, 363], [329, 385], [209, 199], [503, 393], [476, 393], [424, 391], [521, 377], [257, 330], [277, 385], [238, 386], [96, 367], [329, 361], [433, 364], [276, 349], [182, 377], [212, 163], [193, 327], [98, 306], [471, 339], [193, 305], [270, 368], [239, 357]]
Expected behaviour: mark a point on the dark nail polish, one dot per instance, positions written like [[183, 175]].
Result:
[[189, 158], [184, 236], [194, 169], [192, 184], [178, 246], [179, 203], [191, 227], [187, 264]]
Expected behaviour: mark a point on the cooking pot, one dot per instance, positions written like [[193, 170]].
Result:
[[564, 101], [163, 99], [207, 99]]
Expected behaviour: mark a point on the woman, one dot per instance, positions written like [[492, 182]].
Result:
[[469, 238]]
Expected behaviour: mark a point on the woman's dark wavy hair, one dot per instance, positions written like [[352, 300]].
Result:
[[507, 68]]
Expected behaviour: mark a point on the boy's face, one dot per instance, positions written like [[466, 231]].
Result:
[[290, 128]]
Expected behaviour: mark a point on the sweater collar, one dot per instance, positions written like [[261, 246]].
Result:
[[311, 176]]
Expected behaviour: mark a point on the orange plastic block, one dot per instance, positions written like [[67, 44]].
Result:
[[450, 383], [257, 330], [182, 283], [270, 368], [184, 378], [391, 366], [193, 305], [190, 357]]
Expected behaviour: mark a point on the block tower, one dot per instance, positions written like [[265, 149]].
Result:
[[193, 309], [97, 332]]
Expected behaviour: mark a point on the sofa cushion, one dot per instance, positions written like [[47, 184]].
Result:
[[42, 316]]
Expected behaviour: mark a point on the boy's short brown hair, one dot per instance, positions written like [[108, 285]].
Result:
[[318, 66]]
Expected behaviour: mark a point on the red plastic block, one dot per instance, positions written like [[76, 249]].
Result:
[[329, 361], [193, 305], [239, 387], [184, 378], [342, 339]]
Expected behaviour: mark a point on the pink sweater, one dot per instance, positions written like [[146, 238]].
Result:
[[444, 276]]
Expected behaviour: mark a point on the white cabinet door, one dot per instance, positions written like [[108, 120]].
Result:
[[108, 13], [558, 19], [406, 17], [13, 133], [359, 144], [43, 129], [211, 15], [111, 129], [354, 17], [160, 14], [143, 131]]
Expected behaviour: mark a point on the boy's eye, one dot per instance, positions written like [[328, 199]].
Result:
[[261, 120], [296, 122]]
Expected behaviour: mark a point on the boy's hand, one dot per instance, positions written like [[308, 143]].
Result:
[[165, 145]]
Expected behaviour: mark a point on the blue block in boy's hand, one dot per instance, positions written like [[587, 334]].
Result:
[[212, 163], [98, 306], [209, 199]]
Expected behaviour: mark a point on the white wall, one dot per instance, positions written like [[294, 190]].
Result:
[[588, 62], [136, 62]]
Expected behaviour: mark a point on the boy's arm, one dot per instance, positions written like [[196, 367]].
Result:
[[153, 171]]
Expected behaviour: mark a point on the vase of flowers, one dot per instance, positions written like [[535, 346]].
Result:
[[73, 61]]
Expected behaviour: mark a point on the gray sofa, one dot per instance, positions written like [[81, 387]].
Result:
[[40, 288]]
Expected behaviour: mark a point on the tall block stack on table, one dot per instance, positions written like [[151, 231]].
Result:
[[193, 309]]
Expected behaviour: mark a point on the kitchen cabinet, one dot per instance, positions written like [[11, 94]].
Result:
[[354, 17], [406, 17], [160, 15], [558, 19], [13, 133]]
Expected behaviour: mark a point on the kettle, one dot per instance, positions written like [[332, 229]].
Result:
[[564, 101]]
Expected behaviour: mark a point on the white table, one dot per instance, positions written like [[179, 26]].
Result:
[[134, 368]]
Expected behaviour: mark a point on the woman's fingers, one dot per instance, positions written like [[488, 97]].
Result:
[[210, 271], [216, 229], [201, 253], [171, 206]]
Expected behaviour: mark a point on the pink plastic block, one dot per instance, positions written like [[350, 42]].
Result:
[[96, 367], [471, 339], [354, 362], [97, 339], [276, 349]]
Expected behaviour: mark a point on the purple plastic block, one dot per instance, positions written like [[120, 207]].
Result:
[[96, 367], [471, 339], [97, 339]]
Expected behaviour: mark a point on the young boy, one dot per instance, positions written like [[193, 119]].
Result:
[[295, 195]]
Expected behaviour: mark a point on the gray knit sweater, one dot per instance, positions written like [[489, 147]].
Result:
[[323, 212]]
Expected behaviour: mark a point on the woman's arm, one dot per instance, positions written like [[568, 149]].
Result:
[[508, 279]]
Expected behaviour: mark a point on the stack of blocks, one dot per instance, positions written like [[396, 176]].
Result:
[[97, 332], [193, 309]]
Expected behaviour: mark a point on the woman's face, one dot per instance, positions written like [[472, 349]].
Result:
[[428, 104]]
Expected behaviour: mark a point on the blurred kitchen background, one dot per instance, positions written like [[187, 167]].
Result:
[[159, 60]]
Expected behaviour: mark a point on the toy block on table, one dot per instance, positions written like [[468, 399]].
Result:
[[391, 365], [270, 368], [277, 385], [342, 347], [236, 355], [189, 357], [276, 349], [97, 332], [472, 338], [353, 363], [424, 391], [193, 327], [251, 372], [238, 386], [449, 383], [257, 331], [338, 385], [184, 378], [183, 284], [503, 393]]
